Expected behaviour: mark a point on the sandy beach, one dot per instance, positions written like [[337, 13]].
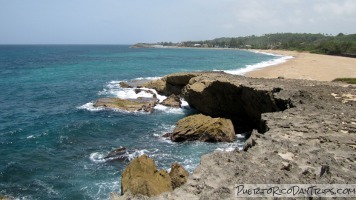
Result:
[[308, 66]]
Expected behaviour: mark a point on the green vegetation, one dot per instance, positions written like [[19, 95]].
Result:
[[341, 44], [346, 80]]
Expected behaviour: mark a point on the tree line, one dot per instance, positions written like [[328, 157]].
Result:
[[341, 44]]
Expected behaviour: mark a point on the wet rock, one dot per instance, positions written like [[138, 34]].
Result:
[[125, 85], [167, 135], [118, 153], [140, 104], [171, 84], [283, 154], [137, 90], [172, 101], [142, 177], [203, 128], [178, 174]]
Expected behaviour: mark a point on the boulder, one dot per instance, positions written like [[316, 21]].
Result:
[[171, 84], [139, 104], [159, 85], [124, 85], [118, 153], [138, 90], [203, 128], [142, 177], [178, 174], [172, 101]]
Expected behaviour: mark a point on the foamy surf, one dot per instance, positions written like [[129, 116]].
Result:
[[113, 89], [237, 145], [279, 60], [90, 107]]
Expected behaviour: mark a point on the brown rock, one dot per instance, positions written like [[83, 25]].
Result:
[[203, 128], [125, 85], [171, 84], [172, 101], [159, 85], [142, 177], [179, 175], [140, 104]]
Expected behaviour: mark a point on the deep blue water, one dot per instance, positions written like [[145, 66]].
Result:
[[52, 146]]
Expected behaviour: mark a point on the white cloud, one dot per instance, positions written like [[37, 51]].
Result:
[[338, 8]]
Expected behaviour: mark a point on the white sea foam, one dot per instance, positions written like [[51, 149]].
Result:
[[237, 145], [184, 104], [137, 153], [97, 157], [280, 59], [169, 109], [90, 106], [147, 78], [30, 137]]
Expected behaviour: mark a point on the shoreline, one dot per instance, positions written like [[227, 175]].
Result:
[[305, 65], [286, 136], [292, 65]]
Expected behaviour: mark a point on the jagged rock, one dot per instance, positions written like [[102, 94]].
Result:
[[125, 85], [142, 177], [159, 85], [167, 135], [203, 128], [137, 90], [234, 98], [140, 104], [171, 84], [172, 101], [119, 152], [313, 130], [178, 174]]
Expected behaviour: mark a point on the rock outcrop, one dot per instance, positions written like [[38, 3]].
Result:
[[179, 175], [142, 177], [306, 133], [203, 128], [139, 104], [171, 84], [172, 101]]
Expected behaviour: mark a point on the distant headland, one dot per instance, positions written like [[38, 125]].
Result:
[[341, 44]]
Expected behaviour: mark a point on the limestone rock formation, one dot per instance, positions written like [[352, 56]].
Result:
[[125, 85], [203, 128], [306, 134], [179, 175], [171, 84], [172, 101], [140, 104], [142, 177]]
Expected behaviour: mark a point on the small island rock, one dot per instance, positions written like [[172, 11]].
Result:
[[203, 128], [140, 104], [172, 101]]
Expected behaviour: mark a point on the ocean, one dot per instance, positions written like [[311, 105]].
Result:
[[53, 141]]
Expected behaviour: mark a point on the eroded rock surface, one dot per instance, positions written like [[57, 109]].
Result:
[[308, 135], [139, 104], [172, 101], [179, 175], [142, 177], [203, 128]]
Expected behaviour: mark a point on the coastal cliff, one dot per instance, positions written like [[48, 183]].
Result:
[[301, 132]]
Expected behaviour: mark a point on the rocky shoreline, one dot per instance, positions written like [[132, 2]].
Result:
[[301, 132]]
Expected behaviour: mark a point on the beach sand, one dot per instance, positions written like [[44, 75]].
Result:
[[308, 66]]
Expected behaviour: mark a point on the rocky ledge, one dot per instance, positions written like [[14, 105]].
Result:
[[301, 132]]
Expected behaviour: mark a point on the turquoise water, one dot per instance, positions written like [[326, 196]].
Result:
[[53, 143]]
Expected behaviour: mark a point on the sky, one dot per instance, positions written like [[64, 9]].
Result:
[[133, 21]]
